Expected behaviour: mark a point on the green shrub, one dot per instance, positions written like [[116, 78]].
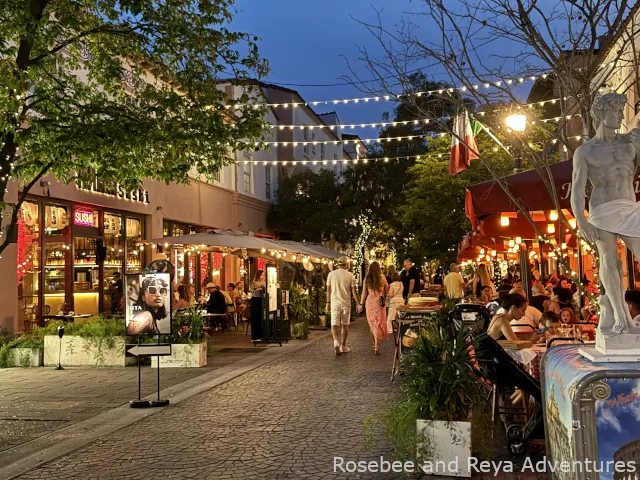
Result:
[[188, 328]]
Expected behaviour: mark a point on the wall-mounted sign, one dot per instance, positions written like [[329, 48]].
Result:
[[83, 217], [115, 190]]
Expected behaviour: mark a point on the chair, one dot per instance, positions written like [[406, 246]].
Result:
[[563, 341], [506, 375], [525, 331]]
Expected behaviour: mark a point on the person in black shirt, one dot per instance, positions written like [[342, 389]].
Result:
[[217, 302], [410, 277], [538, 297]]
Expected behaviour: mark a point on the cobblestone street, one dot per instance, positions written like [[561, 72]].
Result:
[[284, 420]]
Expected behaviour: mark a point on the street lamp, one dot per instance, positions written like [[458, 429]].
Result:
[[517, 122]]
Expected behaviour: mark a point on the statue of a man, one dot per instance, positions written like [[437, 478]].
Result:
[[608, 161]]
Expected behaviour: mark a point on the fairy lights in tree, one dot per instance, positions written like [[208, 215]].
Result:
[[360, 245]]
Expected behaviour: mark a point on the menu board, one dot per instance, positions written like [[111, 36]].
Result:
[[272, 287]]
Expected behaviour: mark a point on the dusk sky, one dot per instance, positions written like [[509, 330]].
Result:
[[304, 41]]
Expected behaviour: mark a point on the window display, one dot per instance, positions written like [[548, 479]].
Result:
[[28, 264]]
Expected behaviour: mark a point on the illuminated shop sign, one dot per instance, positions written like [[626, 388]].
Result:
[[83, 217]]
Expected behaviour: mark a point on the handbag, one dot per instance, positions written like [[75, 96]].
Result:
[[382, 302]]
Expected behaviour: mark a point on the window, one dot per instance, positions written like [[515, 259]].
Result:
[[322, 152], [247, 177], [267, 182], [313, 139], [216, 175], [306, 139], [335, 163]]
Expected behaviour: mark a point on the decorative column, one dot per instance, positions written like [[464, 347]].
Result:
[[585, 435]]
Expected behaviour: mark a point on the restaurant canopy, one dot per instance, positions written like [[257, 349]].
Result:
[[233, 241], [317, 251], [489, 198]]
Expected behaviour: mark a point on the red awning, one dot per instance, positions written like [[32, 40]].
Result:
[[488, 197]]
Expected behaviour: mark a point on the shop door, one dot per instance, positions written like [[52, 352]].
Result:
[[114, 249]]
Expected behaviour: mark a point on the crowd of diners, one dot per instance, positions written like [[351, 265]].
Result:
[[554, 302]]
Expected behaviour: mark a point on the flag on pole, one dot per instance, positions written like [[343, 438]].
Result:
[[463, 153]]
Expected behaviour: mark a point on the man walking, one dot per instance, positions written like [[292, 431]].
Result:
[[454, 283], [341, 284], [410, 280]]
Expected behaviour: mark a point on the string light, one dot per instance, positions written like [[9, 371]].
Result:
[[397, 97]]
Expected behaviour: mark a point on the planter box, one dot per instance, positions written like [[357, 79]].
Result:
[[447, 447], [82, 352], [26, 357], [183, 356]]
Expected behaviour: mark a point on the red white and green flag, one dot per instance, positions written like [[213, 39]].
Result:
[[463, 152]]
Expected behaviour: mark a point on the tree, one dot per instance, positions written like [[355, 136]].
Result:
[[309, 208], [487, 50], [119, 91]]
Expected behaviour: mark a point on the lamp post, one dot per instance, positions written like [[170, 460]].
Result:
[[517, 123]]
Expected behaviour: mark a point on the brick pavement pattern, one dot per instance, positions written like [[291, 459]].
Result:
[[35, 401], [284, 420]]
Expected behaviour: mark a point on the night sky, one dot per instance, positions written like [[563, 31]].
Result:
[[304, 41]]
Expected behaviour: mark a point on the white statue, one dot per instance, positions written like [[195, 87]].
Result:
[[608, 162]]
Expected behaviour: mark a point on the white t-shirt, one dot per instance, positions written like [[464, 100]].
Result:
[[531, 317], [341, 282]]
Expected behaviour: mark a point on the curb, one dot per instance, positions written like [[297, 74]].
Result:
[[31, 455]]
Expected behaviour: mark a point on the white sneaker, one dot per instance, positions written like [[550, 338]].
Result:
[[336, 347], [345, 349]]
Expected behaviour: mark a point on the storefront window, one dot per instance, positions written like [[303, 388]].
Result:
[[134, 254], [28, 265], [86, 275], [114, 242], [57, 253]]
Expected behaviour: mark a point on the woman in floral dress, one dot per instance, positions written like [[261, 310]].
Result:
[[376, 288]]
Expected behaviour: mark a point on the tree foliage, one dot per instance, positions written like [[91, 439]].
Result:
[[309, 208], [120, 90]]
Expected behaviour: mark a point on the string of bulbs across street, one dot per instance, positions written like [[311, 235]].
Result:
[[400, 96]]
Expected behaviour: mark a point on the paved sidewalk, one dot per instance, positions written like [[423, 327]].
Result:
[[36, 401], [284, 420]]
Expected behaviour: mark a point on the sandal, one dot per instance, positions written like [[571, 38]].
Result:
[[376, 351]]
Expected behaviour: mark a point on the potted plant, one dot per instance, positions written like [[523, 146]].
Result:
[[188, 342], [99, 341], [22, 350], [430, 422], [300, 309]]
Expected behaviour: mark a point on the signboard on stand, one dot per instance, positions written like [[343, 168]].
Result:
[[272, 287], [148, 304]]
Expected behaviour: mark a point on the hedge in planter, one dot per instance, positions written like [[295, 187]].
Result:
[[22, 350], [188, 342], [429, 422], [99, 341]]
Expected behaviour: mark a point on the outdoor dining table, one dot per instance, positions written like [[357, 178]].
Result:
[[216, 317]]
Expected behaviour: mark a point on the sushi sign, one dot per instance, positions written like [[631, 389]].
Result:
[[83, 218]]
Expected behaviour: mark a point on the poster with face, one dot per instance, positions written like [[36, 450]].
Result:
[[148, 304]]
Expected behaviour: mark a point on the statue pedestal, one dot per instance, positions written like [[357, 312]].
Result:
[[612, 347], [588, 415]]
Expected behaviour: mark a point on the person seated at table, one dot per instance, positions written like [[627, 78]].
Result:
[[217, 303], [184, 298], [487, 292], [567, 316], [560, 300], [531, 316], [538, 297], [482, 300], [232, 294], [632, 298], [515, 307], [551, 327]]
